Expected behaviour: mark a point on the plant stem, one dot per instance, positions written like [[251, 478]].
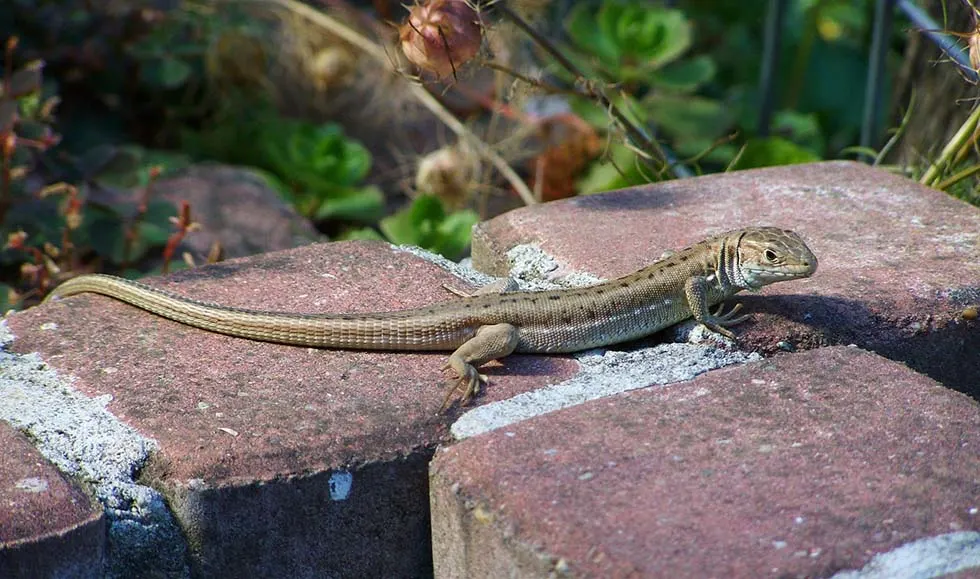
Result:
[[950, 181], [963, 137]]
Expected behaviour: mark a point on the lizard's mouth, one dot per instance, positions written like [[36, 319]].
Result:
[[757, 277]]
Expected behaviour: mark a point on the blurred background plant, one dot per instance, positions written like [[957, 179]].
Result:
[[374, 120]]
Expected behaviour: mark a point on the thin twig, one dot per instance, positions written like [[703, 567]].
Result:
[[898, 132]]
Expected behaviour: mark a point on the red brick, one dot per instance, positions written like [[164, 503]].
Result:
[[49, 527], [802, 465], [898, 261], [251, 433]]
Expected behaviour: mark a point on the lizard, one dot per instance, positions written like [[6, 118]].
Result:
[[488, 326]]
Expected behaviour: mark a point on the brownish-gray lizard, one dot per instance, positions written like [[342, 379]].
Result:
[[486, 327]]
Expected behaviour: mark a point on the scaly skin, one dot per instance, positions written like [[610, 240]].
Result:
[[486, 327]]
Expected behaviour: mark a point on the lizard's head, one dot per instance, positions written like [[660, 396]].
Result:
[[769, 254]]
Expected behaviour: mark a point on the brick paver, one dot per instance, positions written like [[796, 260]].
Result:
[[279, 460], [899, 262], [802, 465], [286, 461], [49, 526]]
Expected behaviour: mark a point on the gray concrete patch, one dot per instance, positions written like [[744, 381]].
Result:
[[459, 270], [534, 269], [604, 373], [531, 269], [923, 559], [86, 442]]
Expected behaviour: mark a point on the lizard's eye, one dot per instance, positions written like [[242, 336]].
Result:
[[770, 255]]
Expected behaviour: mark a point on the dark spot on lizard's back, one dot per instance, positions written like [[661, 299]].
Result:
[[599, 292], [682, 257], [486, 306], [624, 284], [554, 297], [347, 318]]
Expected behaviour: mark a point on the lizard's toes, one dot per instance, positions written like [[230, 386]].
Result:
[[469, 383], [473, 380]]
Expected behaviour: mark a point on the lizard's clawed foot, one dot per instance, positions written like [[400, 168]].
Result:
[[470, 381], [726, 319], [720, 320]]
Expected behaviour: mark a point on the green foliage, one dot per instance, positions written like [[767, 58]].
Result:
[[700, 94], [630, 40], [314, 166], [25, 131], [49, 227], [772, 151], [426, 224], [323, 169], [620, 169]]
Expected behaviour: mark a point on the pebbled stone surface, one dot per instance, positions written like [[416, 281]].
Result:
[[49, 527], [280, 460], [802, 465], [899, 262]]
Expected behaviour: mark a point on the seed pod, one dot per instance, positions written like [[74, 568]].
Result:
[[439, 36]]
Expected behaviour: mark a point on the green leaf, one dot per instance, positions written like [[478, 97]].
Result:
[[361, 233], [9, 115], [413, 224], [650, 34], [25, 81], [105, 234], [104, 231], [688, 116], [773, 151], [454, 233], [802, 129], [424, 223], [705, 150], [155, 227], [630, 39], [315, 157], [847, 67], [363, 204], [605, 175], [170, 161], [113, 165], [581, 27], [166, 72], [686, 75]]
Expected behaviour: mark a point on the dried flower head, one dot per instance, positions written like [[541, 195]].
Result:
[[448, 173], [441, 35]]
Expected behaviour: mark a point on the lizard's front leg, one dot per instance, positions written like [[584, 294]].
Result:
[[489, 343], [695, 289]]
